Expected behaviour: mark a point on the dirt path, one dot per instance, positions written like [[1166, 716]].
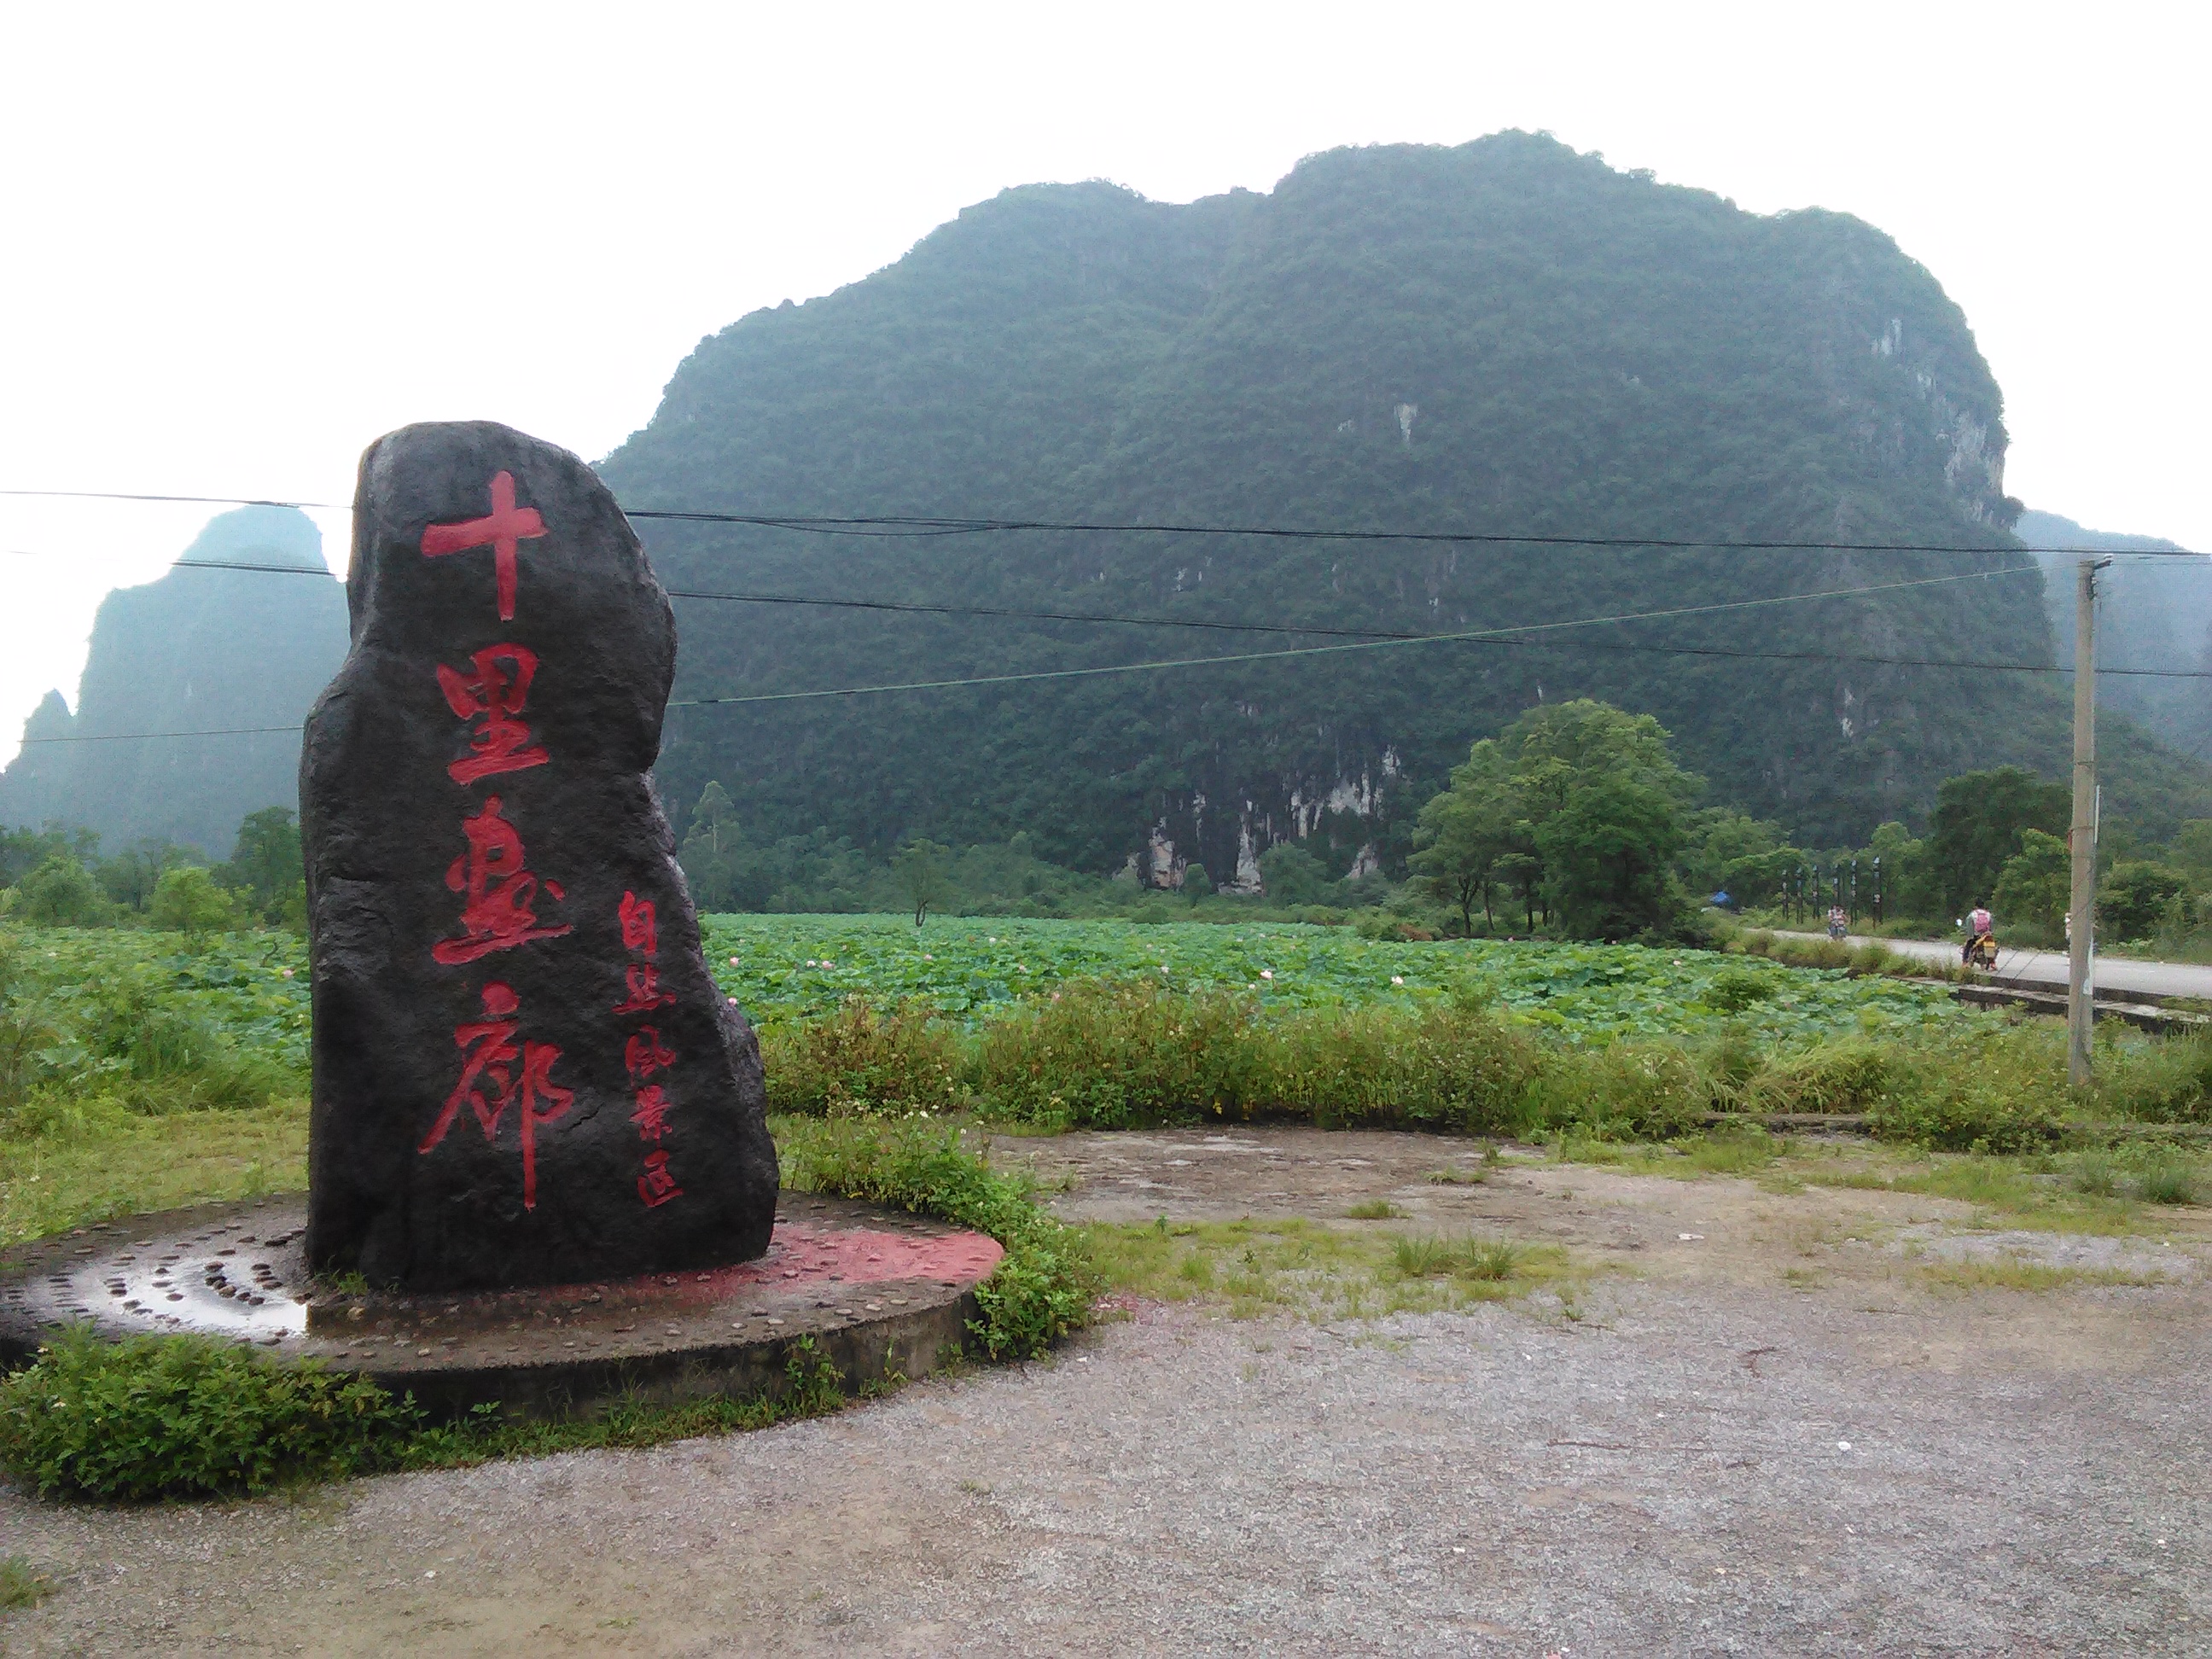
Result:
[[1856, 1458]]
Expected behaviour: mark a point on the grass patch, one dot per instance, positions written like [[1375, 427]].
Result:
[[1460, 1177], [22, 1585], [1747, 1152], [2027, 1276], [1373, 1209], [2098, 1190], [1311, 1270], [109, 1163]]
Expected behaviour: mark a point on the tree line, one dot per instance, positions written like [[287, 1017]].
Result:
[[58, 876]]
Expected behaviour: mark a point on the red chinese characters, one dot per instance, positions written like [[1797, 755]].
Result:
[[503, 530], [645, 1055], [494, 692], [645, 992], [518, 1074], [497, 891], [656, 1186], [652, 1113]]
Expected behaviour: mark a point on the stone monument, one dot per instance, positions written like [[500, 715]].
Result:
[[524, 1073]]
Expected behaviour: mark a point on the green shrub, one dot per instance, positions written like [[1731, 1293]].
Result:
[[1453, 1067], [2002, 1091], [2168, 1182], [1108, 1054], [1734, 989], [1624, 1090], [1842, 1077], [2164, 1082], [60, 893], [158, 1416], [187, 901], [1042, 1290], [126, 1036], [858, 1060]]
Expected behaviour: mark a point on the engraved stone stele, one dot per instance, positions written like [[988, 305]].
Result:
[[523, 1071]]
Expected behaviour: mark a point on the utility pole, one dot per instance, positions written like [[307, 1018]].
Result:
[[2082, 943]]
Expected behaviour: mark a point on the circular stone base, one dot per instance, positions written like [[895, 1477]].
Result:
[[881, 1292]]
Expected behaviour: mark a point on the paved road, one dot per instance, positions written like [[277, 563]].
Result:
[[2173, 979]]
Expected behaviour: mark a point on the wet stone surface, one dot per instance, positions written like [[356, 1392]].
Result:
[[524, 1073], [240, 1272]]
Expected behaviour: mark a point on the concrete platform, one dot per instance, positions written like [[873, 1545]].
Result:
[[880, 1291]]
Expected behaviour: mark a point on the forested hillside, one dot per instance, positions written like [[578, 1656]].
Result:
[[196, 651], [2153, 613], [1505, 336]]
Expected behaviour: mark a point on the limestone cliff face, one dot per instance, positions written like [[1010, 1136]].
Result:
[[223, 651], [1504, 337]]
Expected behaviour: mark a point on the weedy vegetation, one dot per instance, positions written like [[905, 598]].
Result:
[[22, 1584]]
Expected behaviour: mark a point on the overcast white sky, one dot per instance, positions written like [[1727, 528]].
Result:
[[242, 241]]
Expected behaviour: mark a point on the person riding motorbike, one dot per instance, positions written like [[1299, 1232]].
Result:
[[1838, 923], [1981, 947]]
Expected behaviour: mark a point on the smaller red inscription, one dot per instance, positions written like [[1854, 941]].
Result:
[[497, 691], [502, 530], [643, 1055], [656, 1186], [499, 890], [640, 932], [652, 1113], [645, 992]]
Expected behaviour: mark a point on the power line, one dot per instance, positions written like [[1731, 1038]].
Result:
[[1512, 636], [924, 608], [920, 525], [1519, 631]]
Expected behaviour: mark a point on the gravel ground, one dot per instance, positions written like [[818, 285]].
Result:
[[1710, 1462]]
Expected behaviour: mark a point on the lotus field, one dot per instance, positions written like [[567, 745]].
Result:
[[789, 968]]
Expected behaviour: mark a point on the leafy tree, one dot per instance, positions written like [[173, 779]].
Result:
[[715, 817], [1579, 802], [265, 865], [1607, 853], [61, 893], [1910, 886], [1981, 818], [1289, 874], [1463, 833], [1724, 850], [2036, 885], [1196, 884], [129, 878], [22, 851], [2192, 849], [2133, 897], [187, 901], [1604, 800], [919, 871]]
